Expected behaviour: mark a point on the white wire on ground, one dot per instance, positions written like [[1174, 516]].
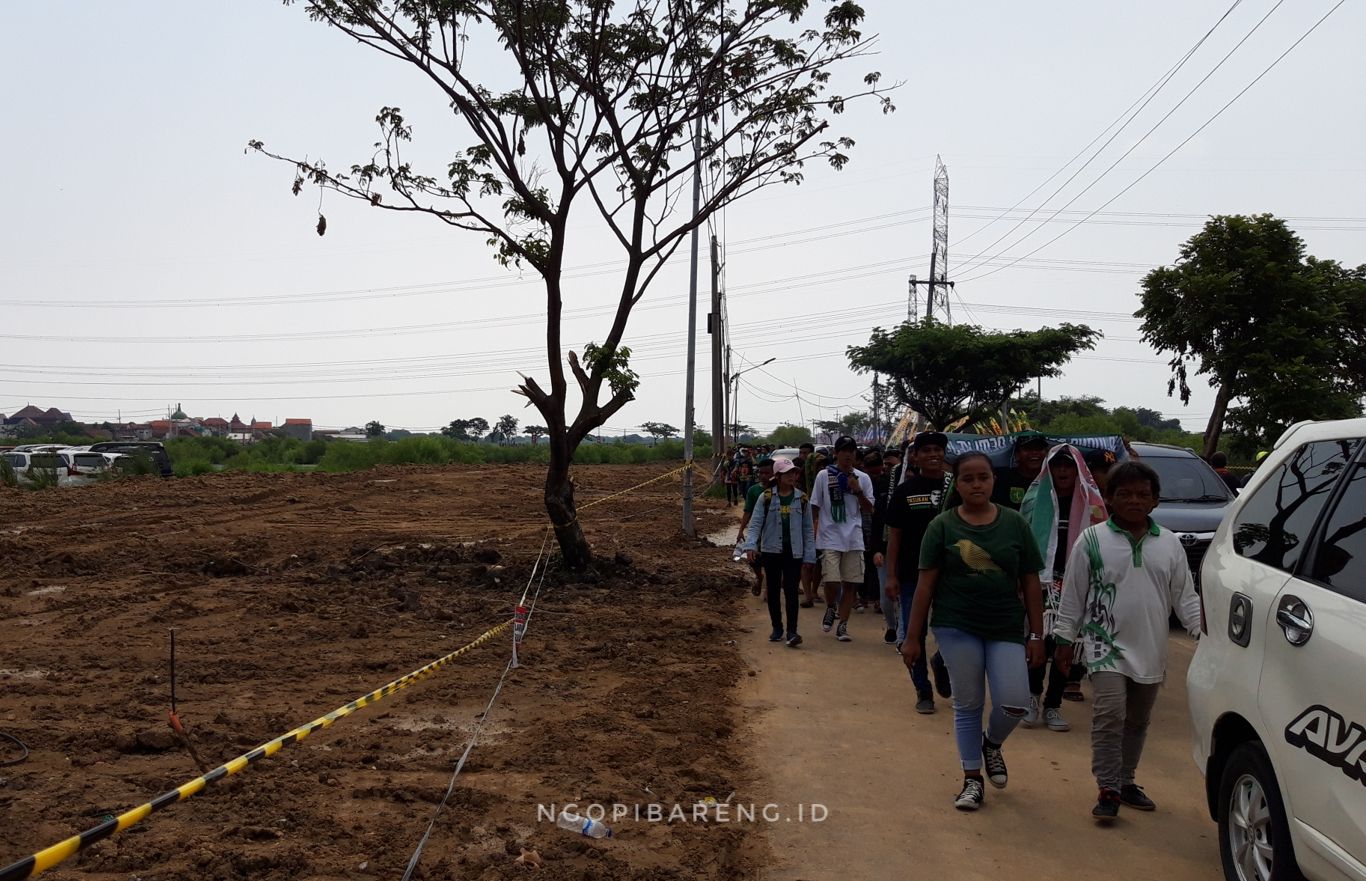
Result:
[[474, 735]]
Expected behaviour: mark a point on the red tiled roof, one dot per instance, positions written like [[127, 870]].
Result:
[[298, 422], [261, 426], [216, 422]]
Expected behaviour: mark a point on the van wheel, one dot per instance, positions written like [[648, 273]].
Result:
[[1254, 836]]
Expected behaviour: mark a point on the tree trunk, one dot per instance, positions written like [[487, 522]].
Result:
[[1215, 428], [559, 504]]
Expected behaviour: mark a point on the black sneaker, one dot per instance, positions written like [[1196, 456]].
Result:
[[941, 676], [776, 635], [995, 764], [842, 633], [1133, 796], [829, 620], [970, 799], [1107, 806], [794, 640], [924, 704], [890, 636]]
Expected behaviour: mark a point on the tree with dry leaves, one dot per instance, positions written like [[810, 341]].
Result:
[[607, 108]]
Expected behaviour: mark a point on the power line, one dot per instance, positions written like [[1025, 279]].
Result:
[[1172, 152], [1152, 93], [1155, 126]]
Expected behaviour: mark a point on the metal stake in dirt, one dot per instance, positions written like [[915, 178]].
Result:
[[173, 719], [518, 631]]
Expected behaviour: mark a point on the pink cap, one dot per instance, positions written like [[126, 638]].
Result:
[[783, 465]]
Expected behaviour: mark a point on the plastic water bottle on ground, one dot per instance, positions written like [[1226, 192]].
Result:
[[582, 825]]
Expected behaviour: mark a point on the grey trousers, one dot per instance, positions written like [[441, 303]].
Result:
[[1121, 711]]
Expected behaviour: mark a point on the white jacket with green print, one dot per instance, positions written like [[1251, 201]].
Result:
[[1118, 596]]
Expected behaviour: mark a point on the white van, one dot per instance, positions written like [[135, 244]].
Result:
[[26, 464], [1278, 682]]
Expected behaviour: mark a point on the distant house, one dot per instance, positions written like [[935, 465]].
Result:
[[216, 426], [299, 428], [239, 430], [132, 431], [261, 425], [48, 419], [161, 429]]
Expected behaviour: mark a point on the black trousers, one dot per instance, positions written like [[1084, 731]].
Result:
[[783, 574], [1057, 680]]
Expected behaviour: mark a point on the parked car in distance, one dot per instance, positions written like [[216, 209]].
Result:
[[153, 450], [1277, 686], [87, 462], [27, 465], [1194, 498]]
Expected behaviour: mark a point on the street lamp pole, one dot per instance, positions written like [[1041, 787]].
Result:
[[735, 397]]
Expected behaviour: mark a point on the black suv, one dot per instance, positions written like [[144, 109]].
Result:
[[153, 450], [1194, 498]]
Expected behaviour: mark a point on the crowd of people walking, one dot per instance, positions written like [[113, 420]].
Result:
[[1030, 578]]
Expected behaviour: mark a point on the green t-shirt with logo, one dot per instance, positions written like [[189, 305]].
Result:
[[978, 590]]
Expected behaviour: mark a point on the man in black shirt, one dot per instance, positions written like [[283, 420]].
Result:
[[913, 504], [1031, 448]]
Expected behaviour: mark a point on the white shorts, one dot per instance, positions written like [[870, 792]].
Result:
[[846, 566]]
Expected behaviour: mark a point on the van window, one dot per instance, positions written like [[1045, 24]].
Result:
[[15, 459], [50, 461], [1340, 561], [90, 460], [1275, 523]]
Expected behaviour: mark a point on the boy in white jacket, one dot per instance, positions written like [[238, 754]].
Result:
[[1125, 577]]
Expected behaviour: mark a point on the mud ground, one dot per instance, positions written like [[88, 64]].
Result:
[[292, 594]]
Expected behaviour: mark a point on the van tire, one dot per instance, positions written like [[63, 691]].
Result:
[[1249, 778]]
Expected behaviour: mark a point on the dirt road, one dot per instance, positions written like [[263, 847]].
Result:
[[834, 724]]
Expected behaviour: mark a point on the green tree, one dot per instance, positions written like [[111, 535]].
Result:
[[659, 430], [506, 427], [947, 372], [458, 429], [535, 431], [1267, 327], [600, 107], [477, 427], [740, 431], [374, 429], [787, 435]]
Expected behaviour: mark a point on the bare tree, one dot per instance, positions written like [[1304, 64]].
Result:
[[612, 105]]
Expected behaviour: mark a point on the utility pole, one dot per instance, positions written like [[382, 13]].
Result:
[[717, 328], [688, 415]]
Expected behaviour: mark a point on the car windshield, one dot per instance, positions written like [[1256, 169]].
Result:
[[1187, 479], [45, 460]]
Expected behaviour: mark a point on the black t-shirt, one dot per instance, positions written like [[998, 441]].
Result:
[[1010, 488], [913, 504]]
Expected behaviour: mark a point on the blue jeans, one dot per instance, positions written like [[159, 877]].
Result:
[[974, 663], [920, 677]]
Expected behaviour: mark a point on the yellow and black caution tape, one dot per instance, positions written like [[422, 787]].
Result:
[[629, 489], [51, 856]]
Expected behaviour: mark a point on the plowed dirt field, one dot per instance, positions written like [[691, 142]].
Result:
[[291, 595]]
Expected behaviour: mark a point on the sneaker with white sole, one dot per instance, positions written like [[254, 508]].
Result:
[[1054, 720], [829, 620], [995, 764], [842, 633], [970, 799], [1031, 716]]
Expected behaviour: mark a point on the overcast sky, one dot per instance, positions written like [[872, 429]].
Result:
[[128, 184]]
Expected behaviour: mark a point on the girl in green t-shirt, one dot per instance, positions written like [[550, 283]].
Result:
[[979, 582]]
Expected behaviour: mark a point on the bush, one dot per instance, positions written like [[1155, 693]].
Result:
[[191, 467], [7, 476]]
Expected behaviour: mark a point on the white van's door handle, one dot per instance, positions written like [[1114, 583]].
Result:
[[1296, 620]]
